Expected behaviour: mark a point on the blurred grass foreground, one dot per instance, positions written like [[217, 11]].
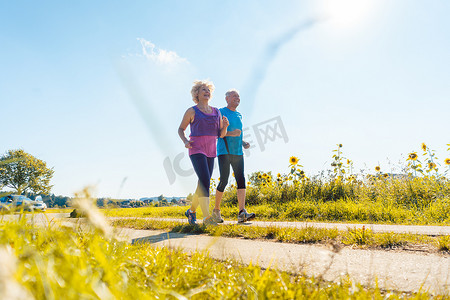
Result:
[[56, 262]]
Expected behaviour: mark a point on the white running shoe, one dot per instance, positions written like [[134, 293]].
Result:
[[216, 215], [244, 216]]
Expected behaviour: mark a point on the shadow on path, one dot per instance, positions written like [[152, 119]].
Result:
[[159, 237]]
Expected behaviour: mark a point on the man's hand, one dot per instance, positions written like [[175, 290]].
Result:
[[246, 145]]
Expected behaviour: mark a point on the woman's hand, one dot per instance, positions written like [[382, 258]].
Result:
[[225, 121], [187, 144]]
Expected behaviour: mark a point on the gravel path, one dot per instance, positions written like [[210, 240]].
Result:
[[397, 270]]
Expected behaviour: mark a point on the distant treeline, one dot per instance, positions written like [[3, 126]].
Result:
[[63, 201]]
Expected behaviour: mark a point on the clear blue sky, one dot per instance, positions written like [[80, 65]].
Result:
[[97, 89]]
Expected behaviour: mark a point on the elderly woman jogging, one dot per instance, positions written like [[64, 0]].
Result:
[[206, 125]]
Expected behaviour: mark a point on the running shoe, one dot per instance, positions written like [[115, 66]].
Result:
[[209, 221], [244, 216], [217, 217], [192, 217]]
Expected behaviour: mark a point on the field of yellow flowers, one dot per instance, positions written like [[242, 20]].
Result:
[[420, 194]]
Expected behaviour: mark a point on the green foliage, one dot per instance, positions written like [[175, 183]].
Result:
[[25, 173], [378, 210], [360, 237], [444, 243]]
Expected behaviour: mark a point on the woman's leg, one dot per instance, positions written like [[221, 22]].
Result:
[[195, 201], [202, 167]]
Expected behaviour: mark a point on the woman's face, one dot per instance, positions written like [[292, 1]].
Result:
[[204, 93]]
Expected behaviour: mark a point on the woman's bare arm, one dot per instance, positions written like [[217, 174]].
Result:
[[187, 119]]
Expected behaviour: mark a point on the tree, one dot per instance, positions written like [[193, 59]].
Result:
[[25, 173], [2, 194]]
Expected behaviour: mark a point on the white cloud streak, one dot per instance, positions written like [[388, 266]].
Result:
[[160, 56]]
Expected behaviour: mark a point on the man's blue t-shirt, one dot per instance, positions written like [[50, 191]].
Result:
[[234, 142]]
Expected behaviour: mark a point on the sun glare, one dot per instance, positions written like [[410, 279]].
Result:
[[348, 14]]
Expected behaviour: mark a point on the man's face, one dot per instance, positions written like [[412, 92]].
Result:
[[233, 99]]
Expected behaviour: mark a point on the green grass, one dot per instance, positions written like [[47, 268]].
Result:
[[353, 236], [435, 213], [62, 263]]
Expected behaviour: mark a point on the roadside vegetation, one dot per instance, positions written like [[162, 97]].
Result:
[[355, 237], [87, 263], [419, 194]]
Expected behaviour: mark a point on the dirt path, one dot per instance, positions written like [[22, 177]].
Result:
[[399, 270]]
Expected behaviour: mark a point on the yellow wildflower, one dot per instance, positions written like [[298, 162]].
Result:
[[293, 160], [412, 156]]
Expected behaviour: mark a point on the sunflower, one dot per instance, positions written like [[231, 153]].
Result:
[[424, 147], [264, 175], [278, 175], [385, 175], [431, 165], [377, 168], [259, 176], [348, 161], [447, 161], [293, 160], [340, 145], [412, 156]]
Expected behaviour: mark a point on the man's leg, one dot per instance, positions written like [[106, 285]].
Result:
[[224, 169], [219, 196], [241, 198], [237, 162]]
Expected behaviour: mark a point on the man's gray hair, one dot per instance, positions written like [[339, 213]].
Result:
[[231, 91]]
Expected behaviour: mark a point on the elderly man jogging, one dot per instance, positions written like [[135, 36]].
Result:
[[229, 152]]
